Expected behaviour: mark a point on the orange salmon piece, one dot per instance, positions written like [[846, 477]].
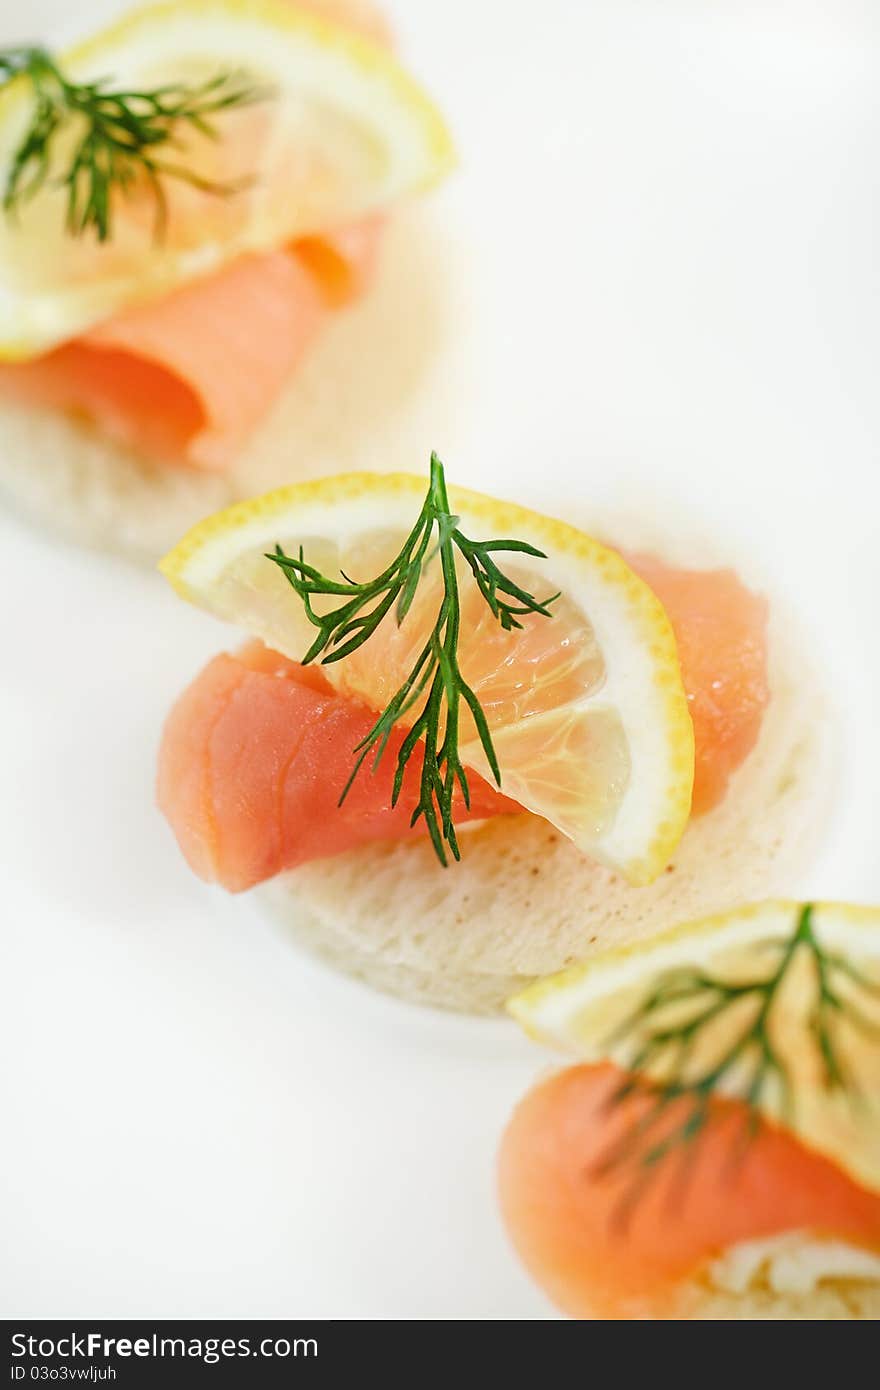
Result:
[[566, 1219], [343, 262], [254, 757], [720, 628], [186, 378]]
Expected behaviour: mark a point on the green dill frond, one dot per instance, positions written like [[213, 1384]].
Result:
[[122, 139], [672, 1099], [432, 698]]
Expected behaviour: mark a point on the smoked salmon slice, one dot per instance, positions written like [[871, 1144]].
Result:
[[187, 378], [253, 760], [598, 1250], [721, 632], [257, 750]]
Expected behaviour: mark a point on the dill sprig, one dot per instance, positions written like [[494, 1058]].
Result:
[[747, 1064], [122, 138], [436, 675]]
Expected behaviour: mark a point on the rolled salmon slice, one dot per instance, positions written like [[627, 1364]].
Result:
[[186, 380], [256, 752], [721, 632], [601, 1247], [254, 758]]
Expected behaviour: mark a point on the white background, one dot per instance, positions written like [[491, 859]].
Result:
[[673, 263]]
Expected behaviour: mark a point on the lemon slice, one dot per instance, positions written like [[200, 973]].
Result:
[[345, 132], [597, 1011], [587, 710]]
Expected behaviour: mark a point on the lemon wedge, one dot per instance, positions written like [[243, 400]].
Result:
[[602, 1010]]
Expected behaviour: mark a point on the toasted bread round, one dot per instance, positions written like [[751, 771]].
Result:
[[377, 390], [524, 902]]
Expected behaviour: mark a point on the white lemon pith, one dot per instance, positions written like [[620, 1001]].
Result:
[[344, 133], [793, 1263], [587, 710], [582, 1011]]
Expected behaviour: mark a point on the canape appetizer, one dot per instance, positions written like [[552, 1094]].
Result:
[[593, 745], [188, 200], [716, 1154]]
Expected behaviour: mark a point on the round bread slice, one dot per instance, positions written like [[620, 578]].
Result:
[[380, 385], [524, 902]]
